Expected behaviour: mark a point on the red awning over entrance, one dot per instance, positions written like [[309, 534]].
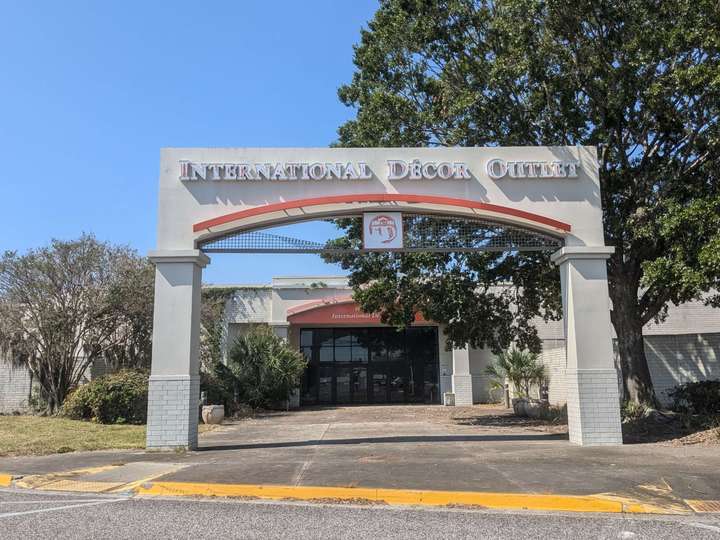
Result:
[[335, 310]]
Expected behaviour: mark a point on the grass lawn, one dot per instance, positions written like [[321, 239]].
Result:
[[41, 435], [38, 435]]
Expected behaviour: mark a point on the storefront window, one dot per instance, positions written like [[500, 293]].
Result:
[[378, 365]]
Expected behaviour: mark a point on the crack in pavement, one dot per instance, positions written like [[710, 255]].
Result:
[[306, 464]]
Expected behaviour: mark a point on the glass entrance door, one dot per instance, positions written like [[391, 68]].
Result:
[[370, 365]]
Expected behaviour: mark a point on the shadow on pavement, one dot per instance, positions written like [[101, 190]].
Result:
[[391, 440]]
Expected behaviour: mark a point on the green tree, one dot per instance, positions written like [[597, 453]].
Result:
[[640, 79], [73, 302], [265, 367]]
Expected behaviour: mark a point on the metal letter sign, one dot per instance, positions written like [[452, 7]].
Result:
[[382, 230]]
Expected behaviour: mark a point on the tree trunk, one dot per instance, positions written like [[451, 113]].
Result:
[[637, 383]]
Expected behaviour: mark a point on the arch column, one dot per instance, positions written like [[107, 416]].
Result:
[[591, 379], [461, 377], [174, 391]]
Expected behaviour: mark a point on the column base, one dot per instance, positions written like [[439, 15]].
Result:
[[593, 407], [173, 412], [462, 388]]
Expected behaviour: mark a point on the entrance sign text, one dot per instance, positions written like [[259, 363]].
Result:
[[274, 171], [498, 168], [397, 170], [427, 170]]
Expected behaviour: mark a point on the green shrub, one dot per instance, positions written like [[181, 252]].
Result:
[[521, 368], [631, 411], [265, 367], [119, 398], [218, 383], [702, 397]]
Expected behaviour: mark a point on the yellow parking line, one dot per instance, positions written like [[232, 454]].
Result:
[[499, 501]]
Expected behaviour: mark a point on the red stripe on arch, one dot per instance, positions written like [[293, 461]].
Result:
[[380, 197]]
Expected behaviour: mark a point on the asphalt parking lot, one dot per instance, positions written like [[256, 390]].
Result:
[[33, 515]]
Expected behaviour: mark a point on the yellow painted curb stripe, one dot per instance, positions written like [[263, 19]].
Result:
[[5, 480], [499, 501], [81, 486]]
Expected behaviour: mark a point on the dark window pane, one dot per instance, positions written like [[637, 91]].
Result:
[[432, 390], [359, 353], [378, 350], [323, 337], [342, 337], [342, 354], [398, 383], [395, 345], [359, 384], [360, 336], [309, 386], [379, 388], [325, 385], [414, 387], [342, 384], [306, 337], [326, 354]]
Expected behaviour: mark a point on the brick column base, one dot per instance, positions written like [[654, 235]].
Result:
[[593, 406], [173, 402], [462, 387]]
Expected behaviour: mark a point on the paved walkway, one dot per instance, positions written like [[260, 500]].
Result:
[[408, 447]]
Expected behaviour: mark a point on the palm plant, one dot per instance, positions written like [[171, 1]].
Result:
[[520, 368]]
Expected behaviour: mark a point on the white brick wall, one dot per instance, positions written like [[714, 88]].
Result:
[[463, 389], [553, 358], [15, 387], [593, 407], [481, 382], [173, 403]]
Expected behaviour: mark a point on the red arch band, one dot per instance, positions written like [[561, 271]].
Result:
[[381, 197]]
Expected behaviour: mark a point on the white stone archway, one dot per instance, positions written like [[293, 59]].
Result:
[[209, 192]]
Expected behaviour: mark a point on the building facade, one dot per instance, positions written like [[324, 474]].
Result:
[[354, 359]]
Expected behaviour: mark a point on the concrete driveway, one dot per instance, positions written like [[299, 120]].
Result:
[[390, 446], [480, 448]]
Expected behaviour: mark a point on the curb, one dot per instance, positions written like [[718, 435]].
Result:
[[609, 503], [492, 500]]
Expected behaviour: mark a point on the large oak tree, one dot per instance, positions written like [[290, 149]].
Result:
[[640, 79]]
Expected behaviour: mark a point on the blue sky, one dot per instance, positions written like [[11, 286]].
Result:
[[92, 90]]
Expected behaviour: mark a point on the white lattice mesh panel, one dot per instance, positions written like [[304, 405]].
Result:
[[421, 233]]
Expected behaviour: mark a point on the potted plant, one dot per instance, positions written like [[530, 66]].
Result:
[[522, 370]]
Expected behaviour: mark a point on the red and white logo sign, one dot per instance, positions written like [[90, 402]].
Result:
[[382, 230]]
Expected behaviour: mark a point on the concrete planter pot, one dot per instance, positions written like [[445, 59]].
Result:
[[536, 408], [213, 414], [518, 405]]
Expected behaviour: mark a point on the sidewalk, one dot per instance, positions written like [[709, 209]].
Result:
[[397, 456]]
